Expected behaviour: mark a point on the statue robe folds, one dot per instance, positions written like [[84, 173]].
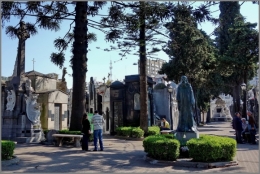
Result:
[[32, 108], [186, 103], [11, 99]]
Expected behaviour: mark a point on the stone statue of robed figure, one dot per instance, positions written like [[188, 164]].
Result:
[[186, 106]]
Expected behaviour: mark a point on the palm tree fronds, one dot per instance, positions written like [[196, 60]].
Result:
[[11, 31], [60, 44], [31, 29]]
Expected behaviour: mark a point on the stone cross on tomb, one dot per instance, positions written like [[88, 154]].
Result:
[[22, 35], [33, 63]]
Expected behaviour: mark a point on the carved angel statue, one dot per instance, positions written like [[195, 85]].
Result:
[[10, 100], [28, 85], [32, 108]]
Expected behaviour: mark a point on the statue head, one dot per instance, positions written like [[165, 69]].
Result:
[[64, 70], [28, 81], [184, 79]]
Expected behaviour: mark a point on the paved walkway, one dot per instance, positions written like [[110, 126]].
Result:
[[121, 156]]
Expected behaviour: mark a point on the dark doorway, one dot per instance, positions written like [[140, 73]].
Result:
[[99, 104], [107, 119]]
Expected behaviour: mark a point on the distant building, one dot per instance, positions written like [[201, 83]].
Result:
[[4, 78], [152, 66]]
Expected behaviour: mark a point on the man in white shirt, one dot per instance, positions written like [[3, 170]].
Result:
[[98, 121]]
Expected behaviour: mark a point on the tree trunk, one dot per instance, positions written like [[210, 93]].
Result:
[[143, 75], [236, 98], [203, 118], [79, 66], [244, 115]]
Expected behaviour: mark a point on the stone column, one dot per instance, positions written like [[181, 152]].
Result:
[[22, 35]]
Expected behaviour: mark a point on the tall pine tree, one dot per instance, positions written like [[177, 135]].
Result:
[[237, 42]]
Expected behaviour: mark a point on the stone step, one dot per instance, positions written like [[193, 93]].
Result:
[[27, 140]]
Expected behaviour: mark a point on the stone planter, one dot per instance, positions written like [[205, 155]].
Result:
[[184, 154], [187, 162], [12, 161]]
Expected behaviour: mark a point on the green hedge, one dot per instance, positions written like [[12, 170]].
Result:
[[161, 147], [210, 148], [7, 149], [171, 136], [66, 131], [124, 131], [137, 132], [153, 130]]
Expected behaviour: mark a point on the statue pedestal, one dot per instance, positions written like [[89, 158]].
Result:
[[183, 137]]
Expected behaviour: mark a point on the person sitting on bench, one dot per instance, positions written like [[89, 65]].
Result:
[[245, 130], [165, 125]]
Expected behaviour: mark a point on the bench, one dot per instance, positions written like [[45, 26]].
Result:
[[59, 138], [166, 131]]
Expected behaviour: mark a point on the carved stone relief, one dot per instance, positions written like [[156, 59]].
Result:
[[11, 98], [32, 108]]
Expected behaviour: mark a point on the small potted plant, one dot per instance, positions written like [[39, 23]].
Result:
[[184, 152]]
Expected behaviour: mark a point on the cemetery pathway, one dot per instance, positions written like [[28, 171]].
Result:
[[121, 156]]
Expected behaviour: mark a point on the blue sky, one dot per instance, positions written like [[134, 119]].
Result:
[[41, 46]]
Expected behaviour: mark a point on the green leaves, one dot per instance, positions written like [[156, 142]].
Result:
[[137, 132], [153, 130], [58, 59]]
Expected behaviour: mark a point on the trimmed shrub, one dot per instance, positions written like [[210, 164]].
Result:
[[210, 148], [171, 136], [137, 132], [124, 131], [66, 131], [7, 149], [118, 131], [153, 130], [161, 148]]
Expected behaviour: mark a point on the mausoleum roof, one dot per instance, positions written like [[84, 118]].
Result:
[[36, 73], [117, 84], [160, 86], [136, 78]]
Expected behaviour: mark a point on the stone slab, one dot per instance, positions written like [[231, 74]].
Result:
[[183, 137]]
